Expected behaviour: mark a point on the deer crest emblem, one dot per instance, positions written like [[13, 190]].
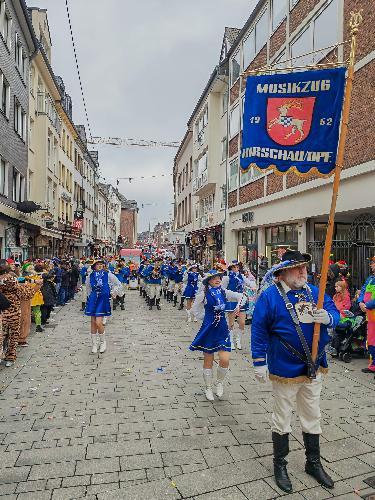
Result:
[[289, 119]]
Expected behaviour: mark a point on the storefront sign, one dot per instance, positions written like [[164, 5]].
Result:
[[248, 217], [291, 120]]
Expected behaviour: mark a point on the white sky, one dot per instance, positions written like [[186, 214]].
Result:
[[144, 65]]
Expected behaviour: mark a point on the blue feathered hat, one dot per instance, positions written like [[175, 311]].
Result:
[[211, 274]]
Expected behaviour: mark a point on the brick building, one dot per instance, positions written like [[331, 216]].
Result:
[[17, 44], [265, 209], [128, 222]]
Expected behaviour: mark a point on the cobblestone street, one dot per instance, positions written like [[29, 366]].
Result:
[[134, 423]]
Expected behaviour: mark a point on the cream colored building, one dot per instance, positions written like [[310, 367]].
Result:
[[209, 137], [183, 197]]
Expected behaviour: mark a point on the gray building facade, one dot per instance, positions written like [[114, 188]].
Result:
[[17, 46]]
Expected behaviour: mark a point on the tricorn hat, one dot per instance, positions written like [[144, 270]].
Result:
[[211, 274], [291, 259]]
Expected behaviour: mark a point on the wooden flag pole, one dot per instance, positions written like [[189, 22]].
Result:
[[355, 21]]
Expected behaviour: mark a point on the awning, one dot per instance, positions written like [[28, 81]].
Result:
[[13, 213], [50, 233]]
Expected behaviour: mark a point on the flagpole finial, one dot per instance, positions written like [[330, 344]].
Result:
[[356, 19]]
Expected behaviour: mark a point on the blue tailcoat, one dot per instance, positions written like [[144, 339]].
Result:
[[272, 321]]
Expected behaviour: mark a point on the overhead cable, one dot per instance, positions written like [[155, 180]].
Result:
[[77, 66]]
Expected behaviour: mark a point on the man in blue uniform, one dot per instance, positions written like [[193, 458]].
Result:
[[154, 280], [281, 342]]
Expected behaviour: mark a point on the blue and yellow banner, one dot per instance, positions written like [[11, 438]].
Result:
[[292, 121]]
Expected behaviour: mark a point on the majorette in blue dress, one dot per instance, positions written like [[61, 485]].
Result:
[[98, 292], [213, 335], [191, 287], [235, 282]]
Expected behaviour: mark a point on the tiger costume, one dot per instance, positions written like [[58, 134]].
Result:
[[11, 317]]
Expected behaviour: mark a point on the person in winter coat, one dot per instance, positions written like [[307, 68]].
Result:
[[49, 296], [4, 304]]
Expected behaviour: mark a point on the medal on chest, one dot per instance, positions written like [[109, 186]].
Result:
[[304, 309]]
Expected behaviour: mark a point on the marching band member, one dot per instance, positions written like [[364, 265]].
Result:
[[236, 282], [213, 335], [281, 342], [178, 285], [171, 280], [154, 279], [98, 306], [164, 277], [191, 280], [141, 280]]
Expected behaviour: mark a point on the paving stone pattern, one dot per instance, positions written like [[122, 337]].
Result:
[[134, 424]]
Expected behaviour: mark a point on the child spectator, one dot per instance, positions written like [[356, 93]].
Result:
[[342, 298]]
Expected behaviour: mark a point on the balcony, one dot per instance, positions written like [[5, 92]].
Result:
[[201, 186], [46, 106]]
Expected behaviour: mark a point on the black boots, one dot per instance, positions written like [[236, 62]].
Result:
[[140, 291], [181, 304], [158, 304], [313, 465], [114, 304], [83, 306], [175, 301], [121, 302], [151, 303], [280, 451]]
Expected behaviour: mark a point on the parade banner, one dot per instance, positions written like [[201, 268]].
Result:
[[292, 120]]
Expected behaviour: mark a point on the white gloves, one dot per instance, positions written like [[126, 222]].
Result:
[[321, 316], [261, 373]]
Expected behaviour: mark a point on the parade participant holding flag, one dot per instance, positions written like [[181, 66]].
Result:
[[213, 335], [281, 342], [98, 306]]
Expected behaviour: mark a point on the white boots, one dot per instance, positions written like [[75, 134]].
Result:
[[220, 376], [94, 343], [232, 346], [190, 316], [208, 380], [102, 343], [207, 377], [239, 338], [235, 338]]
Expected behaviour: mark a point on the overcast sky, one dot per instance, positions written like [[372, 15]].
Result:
[[144, 64]]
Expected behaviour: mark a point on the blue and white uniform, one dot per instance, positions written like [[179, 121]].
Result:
[[235, 282], [99, 288], [209, 304], [191, 279]]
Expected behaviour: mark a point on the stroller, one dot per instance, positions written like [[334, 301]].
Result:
[[350, 337]]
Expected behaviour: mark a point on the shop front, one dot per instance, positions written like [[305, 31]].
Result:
[[206, 245], [285, 235], [247, 250]]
